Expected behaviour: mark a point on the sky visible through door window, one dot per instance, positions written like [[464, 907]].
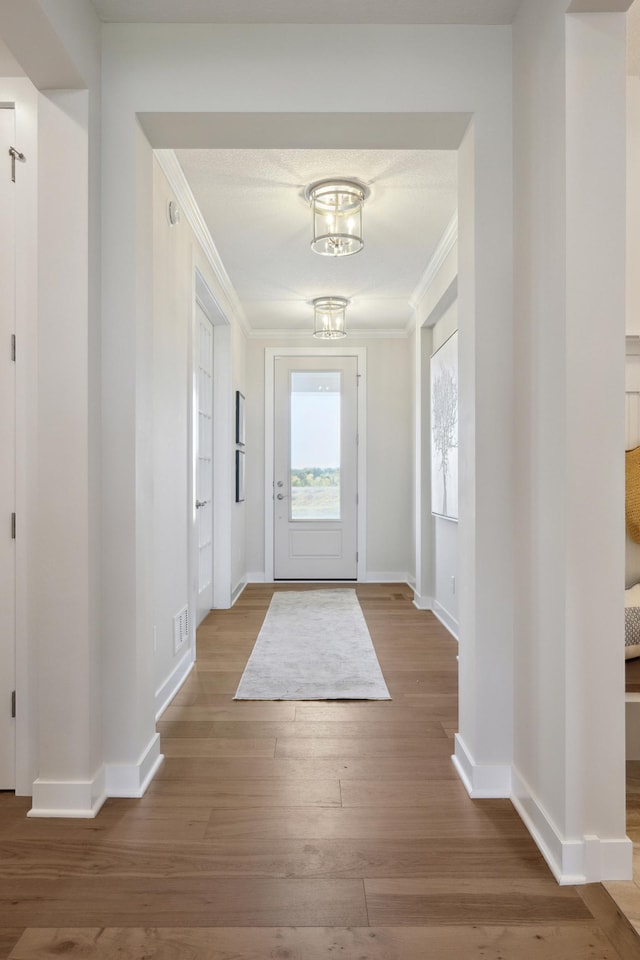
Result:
[[315, 445]]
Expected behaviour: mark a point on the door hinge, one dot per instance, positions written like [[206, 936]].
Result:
[[13, 526], [13, 347], [15, 155], [13, 704], [357, 556]]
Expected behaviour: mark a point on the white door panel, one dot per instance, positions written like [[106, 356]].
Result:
[[8, 447], [204, 463], [315, 468]]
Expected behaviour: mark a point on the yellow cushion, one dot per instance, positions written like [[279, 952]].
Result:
[[632, 464]]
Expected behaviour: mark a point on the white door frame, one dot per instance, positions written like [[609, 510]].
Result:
[[203, 515], [270, 355], [19, 93], [222, 451]]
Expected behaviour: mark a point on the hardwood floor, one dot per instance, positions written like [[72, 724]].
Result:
[[300, 831]]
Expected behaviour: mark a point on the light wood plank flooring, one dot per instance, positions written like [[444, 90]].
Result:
[[300, 831]]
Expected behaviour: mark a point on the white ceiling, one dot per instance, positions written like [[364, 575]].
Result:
[[9, 66], [633, 39], [252, 201], [308, 11]]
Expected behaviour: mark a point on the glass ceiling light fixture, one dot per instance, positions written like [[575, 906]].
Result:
[[329, 317], [337, 216]]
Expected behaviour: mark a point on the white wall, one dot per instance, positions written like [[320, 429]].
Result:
[[177, 254], [446, 531], [171, 345], [568, 771], [389, 454], [633, 206], [439, 295]]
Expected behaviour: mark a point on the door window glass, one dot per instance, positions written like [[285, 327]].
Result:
[[315, 445]]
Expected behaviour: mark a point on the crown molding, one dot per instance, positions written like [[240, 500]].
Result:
[[445, 246], [189, 207]]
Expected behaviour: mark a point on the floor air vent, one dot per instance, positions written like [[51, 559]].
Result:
[[180, 629]]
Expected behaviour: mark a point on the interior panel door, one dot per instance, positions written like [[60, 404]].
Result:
[[204, 464]]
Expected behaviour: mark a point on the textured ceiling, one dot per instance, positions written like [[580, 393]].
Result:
[[308, 11], [252, 201]]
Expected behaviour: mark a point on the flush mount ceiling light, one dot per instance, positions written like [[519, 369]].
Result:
[[329, 317], [337, 216]]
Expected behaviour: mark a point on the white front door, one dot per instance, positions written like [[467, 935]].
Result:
[[204, 463], [8, 529], [315, 468]]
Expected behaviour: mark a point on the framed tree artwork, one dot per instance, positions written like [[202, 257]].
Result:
[[444, 429]]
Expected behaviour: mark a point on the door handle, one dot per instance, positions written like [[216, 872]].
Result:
[[200, 503], [282, 496]]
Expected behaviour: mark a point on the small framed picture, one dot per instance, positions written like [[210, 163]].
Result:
[[239, 418], [240, 475]]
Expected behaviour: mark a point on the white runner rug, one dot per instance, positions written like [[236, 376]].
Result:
[[314, 645]]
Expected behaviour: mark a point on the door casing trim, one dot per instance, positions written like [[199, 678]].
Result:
[[222, 445]]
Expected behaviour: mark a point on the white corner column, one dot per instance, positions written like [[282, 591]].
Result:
[[70, 779], [132, 751], [594, 472], [483, 746], [568, 771]]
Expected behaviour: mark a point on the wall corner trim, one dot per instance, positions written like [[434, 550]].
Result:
[[589, 859], [481, 781], [132, 779], [167, 691], [76, 799], [445, 619], [421, 602]]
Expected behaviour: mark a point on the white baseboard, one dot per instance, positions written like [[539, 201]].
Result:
[[68, 798], [83, 798], [371, 576], [167, 691], [481, 780], [237, 591], [590, 859], [132, 779], [445, 619]]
